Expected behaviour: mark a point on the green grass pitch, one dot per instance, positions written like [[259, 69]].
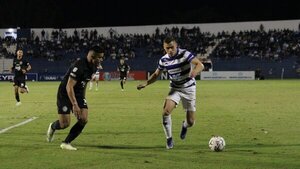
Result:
[[259, 120]]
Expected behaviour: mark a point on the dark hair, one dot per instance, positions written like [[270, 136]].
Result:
[[97, 49], [19, 48], [169, 39]]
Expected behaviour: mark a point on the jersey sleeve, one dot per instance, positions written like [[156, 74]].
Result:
[[76, 72], [25, 64], [160, 65], [189, 56]]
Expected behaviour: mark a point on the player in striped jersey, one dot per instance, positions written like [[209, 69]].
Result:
[[96, 77], [182, 67]]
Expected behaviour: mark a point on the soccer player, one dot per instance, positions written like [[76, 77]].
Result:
[[182, 67], [71, 97], [96, 78], [123, 68], [20, 68]]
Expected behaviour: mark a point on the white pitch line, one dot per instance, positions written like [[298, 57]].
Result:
[[17, 125]]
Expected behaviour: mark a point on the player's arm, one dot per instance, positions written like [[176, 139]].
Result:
[[197, 68], [28, 67], [13, 67], [128, 69], [70, 90], [151, 79]]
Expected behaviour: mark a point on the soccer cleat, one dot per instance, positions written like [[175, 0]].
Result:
[[183, 132], [50, 133], [170, 143], [18, 104], [67, 146]]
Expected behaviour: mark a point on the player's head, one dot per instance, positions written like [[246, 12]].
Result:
[[170, 46], [96, 54], [19, 54]]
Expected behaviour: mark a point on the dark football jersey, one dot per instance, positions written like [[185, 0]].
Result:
[[123, 68], [81, 71], [18, 65]]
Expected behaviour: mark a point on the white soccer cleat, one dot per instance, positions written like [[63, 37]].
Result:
[[50, 133], [18, 104], [66, 146]]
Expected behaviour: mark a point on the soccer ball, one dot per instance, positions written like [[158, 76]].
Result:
[[217, 143]]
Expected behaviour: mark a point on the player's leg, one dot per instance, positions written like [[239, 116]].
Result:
[[121, 83], [63, 122], [171, 102], [188, 122], [75, 130], [16, 91], [189, 104], [124, 79], [96, 85], [64, 108], [26, 89], [97, 82], [91, 83], [22, 85], [167, 121]]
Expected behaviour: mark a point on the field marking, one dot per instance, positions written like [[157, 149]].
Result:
[[17, 125]]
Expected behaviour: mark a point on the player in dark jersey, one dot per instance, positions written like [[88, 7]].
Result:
[[20, 67], [123, 68], [71, 97]]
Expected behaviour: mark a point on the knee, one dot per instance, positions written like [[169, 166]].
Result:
[[166, 112], [64, 124]]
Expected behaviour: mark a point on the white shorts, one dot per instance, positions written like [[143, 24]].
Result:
[[96, 77], [187, 95]]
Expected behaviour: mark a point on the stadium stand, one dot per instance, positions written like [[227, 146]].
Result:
[[270, 51]]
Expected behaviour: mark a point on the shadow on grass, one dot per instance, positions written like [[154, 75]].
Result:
[[122, 147]]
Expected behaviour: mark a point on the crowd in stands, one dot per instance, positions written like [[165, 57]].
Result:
[[260, 44], [271, 45]]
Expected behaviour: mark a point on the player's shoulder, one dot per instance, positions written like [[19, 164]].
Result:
[[184, 52], [80, 63], [164, 58]]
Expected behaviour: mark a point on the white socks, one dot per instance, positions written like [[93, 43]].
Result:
[[167, 125]]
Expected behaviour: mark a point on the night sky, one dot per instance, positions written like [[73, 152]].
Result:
[[92, 13]]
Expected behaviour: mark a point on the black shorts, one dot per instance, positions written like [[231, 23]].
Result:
[[64, 105], [123, 77], [19, 81]]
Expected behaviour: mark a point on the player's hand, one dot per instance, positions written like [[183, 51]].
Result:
[[77, 111], [23, 71], [140, 86]]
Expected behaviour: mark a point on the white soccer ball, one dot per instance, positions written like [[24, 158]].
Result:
[[217, 143]]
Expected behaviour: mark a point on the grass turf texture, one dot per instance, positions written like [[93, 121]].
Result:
[[259, 121]]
